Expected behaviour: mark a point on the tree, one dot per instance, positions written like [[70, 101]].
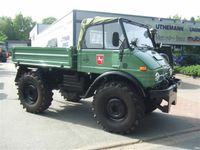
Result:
[[3, 37], [22, 26], [6, 27], [198, 19], [192, 19], [49, 20], [17, 28], [176, 17]]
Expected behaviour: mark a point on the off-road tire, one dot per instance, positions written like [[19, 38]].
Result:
[[129, 107], [34, 94], [72, 98]]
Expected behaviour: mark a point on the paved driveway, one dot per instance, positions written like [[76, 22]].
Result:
[[68, 125]]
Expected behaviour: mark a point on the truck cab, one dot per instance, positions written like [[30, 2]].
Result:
[[121, 47]]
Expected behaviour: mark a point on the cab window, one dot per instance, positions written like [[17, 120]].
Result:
[[100, 36], [109, 29], [93, 37]]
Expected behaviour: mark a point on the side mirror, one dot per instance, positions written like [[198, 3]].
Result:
[[115, 39], [153, 31], [159, 45]]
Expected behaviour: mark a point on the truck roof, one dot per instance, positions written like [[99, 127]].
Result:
[[99, 20]]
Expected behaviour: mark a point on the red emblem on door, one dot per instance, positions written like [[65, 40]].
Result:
[[99, 59]]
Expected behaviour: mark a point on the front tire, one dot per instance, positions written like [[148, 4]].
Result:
[[118, 108], [34, 94]]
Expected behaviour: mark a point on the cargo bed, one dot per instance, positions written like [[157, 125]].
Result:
[[36, 56]]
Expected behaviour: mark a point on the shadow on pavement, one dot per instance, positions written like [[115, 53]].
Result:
[[77, 113], [1, 85], [189, 86], [2, 95], [153, 126]]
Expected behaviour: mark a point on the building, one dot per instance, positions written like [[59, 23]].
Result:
[[37, 30], [179, 35], [16, 43]]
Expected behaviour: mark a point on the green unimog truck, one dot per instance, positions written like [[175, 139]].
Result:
[[114, 62]]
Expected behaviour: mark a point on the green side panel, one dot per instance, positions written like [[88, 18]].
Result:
[[131, 64], [88, 60], [148, 60], [49, 57]]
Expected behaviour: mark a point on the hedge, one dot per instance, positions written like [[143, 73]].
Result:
[[193, 70]]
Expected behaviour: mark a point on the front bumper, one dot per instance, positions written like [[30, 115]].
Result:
[[168, 94]]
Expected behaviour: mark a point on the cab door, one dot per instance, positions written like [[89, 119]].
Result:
[[97, 54]]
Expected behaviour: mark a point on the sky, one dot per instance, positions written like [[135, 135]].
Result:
[[40, 9]]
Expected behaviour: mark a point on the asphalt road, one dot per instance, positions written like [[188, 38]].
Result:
[[68, 125]]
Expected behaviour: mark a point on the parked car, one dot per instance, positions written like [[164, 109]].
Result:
[[187, 60], [3, 55]]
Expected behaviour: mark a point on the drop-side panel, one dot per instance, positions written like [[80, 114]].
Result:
[[50, 57]]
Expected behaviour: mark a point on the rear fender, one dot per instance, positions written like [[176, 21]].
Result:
[[21, 70]]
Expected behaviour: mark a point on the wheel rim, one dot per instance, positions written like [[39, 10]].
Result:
[[30, 93], [116, 109]]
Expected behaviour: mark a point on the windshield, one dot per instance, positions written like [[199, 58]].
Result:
[[137, 36]]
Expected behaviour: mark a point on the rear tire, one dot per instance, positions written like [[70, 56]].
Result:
[[34, 94], [118, 108]]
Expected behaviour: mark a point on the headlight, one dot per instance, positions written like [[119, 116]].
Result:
[[157, 76], [170, 71]]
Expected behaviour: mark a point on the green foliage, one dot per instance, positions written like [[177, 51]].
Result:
[[3, 37], [17, 28], [6, 27], [198, 19], [22, 26], [192, 19], [193, 70], [49, 20], [176, 17]]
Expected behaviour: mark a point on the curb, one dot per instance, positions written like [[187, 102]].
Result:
[[138, 141], [187, 76]]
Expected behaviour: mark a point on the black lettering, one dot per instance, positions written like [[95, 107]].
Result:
[[169, 27]]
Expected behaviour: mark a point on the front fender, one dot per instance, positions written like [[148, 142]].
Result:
[[131, 79]]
